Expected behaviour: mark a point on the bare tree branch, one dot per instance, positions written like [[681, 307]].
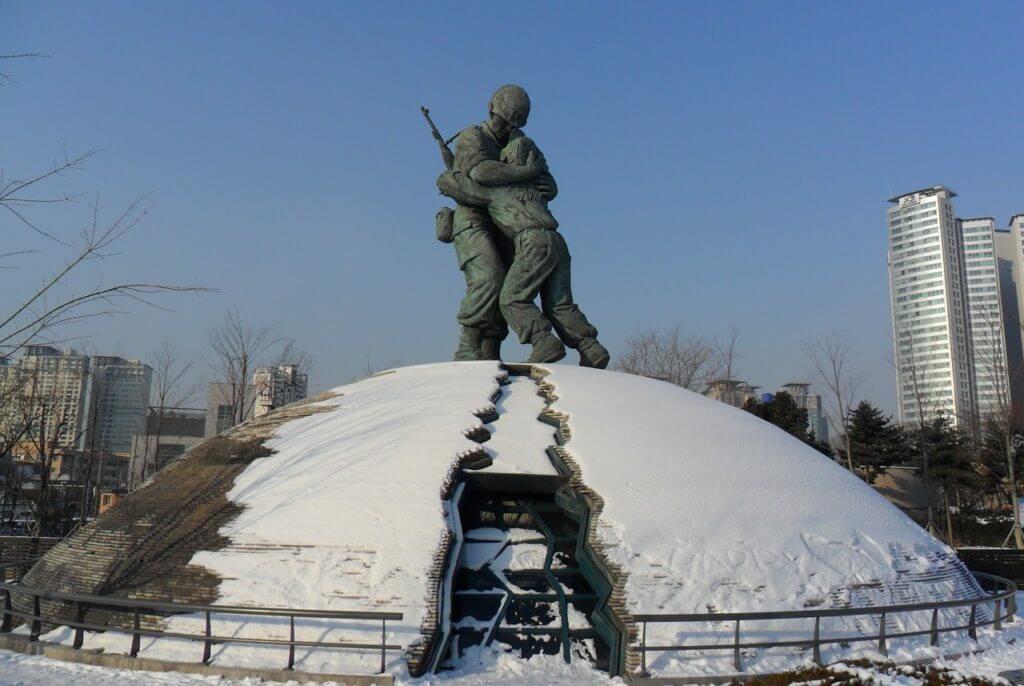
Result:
[[830, 357]]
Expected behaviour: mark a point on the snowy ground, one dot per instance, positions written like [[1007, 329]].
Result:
[[23, 670]]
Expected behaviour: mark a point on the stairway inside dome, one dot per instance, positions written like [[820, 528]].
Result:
[[518, 585]]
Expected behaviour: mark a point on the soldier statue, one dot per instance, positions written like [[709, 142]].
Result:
[[507, 242]]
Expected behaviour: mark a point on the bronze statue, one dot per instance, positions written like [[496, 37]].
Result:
[[507, 241]]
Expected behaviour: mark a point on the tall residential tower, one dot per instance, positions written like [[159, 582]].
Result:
[[927, 291], [985, 319]]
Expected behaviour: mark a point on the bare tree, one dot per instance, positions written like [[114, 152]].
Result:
[[238, 346], [688, 361], [7, 77], [239, 349], [48, 407], [913, 362], [994, 411], [830, 357], [725, 353], [170, 390]]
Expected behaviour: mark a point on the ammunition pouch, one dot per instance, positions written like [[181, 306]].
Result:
[[444, 224]]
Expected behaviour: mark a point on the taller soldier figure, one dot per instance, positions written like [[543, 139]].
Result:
[[482, 253]]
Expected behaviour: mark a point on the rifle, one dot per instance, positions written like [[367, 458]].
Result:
[[446, 154]]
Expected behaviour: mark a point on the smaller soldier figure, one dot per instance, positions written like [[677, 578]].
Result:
[[541, 263]]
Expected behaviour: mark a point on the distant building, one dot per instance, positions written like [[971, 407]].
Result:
[[1009, 245], [731, 391], [117, 403], [928, 299], [169, 432], [278, 386], [985, 321], [225, 404], [103, 469], [50, 382], [817, 423]]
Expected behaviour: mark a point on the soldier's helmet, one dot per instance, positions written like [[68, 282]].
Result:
[[511, 103]]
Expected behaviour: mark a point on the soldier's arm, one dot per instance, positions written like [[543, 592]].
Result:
[[494, 173], [463, 190]]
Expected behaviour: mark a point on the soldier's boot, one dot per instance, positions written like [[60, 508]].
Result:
[[469, 345], [490, 348], [593, 354], [546, 348]]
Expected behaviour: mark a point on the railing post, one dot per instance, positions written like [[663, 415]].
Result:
[[736, 649], [291, 641], [643, 648], [935, 627], [882, 647], [816, 647], [972, 630], [5, 624], [998, 624], [79, 620], [135, 632], [207, 645], [36, 623], [383, 642]]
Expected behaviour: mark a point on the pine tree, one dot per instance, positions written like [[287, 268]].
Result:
[[782, 411], [875, 441], [953, 473]]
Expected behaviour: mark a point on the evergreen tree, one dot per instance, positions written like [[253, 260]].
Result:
[[953, 472], [876, 443], [952, 469], [782, 411]]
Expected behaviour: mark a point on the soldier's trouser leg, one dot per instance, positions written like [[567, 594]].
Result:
[[556, 298], [484, 272], [533, 262]]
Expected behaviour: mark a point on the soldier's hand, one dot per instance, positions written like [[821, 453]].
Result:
[[545, 187], [535, 162]]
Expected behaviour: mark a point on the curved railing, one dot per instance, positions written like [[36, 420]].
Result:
[[81, 602], [1003, 599]]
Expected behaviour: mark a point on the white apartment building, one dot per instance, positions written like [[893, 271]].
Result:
[[985, 318], [927, 292]]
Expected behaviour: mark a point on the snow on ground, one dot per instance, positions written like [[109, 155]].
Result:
[[490, 669], [518, 441], [34, 670], [708, 508]]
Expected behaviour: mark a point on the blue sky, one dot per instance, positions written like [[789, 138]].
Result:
[[718, 163]]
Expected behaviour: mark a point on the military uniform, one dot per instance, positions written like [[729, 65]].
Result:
[[478, 248], [541, 263]]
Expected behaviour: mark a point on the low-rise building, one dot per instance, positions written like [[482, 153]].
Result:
[[731, 391], [278, 386], [170, 431]]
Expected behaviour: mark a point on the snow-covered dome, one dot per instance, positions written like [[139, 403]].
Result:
[[692, 506], [708, 507]]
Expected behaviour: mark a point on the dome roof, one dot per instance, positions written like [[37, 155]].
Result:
[[708, 507], [349, 506]]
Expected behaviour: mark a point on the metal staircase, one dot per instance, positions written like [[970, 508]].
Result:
[[518, 584]]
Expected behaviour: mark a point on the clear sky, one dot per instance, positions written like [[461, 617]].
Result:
[[718, 162]]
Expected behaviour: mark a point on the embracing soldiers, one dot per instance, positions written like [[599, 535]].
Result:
[[499, 177]]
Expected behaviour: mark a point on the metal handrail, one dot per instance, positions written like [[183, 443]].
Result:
[[82, 601], [1005, 598]]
